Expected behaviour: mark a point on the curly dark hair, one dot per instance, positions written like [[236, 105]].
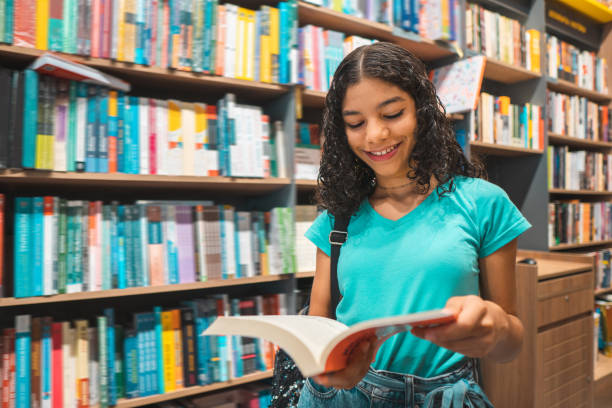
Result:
[[345, 180]]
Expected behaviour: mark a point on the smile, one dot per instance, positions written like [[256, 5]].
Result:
[[384, 154]]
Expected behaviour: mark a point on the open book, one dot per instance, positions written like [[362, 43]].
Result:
[[318, 344]]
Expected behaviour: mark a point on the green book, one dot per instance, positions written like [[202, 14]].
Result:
[[72, 128], [9, 20], [102, 357], [62, 246], [30, 125], [56, 25]]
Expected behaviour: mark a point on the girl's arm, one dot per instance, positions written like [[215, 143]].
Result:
[[320, 295], [487, 325]]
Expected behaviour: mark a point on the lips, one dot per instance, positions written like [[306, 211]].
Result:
[[384, 154]]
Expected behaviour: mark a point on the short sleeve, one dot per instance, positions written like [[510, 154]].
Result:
[[318, 233], [499, 220]]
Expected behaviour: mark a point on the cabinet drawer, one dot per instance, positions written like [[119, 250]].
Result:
[[576, 399], [563, 306], [560, 286]]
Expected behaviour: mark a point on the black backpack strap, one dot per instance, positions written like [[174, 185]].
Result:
[[337, 237]]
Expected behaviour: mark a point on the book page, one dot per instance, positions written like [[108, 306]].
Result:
[[304, 338], [337, 353]]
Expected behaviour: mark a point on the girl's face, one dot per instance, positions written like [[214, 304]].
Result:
[[380, 123]]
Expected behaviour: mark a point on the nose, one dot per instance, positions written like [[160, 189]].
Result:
[[376, 132]]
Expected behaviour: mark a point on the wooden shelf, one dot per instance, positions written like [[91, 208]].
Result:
[[306, 185], [603, 367], [557, 139], [323, 17], [492, 149], [313, 99], [304, 275], [559, 85], [139, 291], [191, 391], [506, 73], [603, 291], [590, 8], [143, 75], [130, 181], [559, 191], [562, 247]]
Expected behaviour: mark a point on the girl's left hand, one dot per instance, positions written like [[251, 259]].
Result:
[[479, 327]]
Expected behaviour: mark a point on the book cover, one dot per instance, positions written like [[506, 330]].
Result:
[[57, 368], [190, 371], [22, 361], [318, 344], [46, 356], [458, 85]]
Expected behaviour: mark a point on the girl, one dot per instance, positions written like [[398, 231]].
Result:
[[425, 233]]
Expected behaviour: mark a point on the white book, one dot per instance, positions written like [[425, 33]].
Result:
[[200, 244], [82, 360], [66, 359], [71, 392], [231, 22], [244, 231], [81, 128], [48, 238], [237, 150], [188, 122], [251, 37], [240, 71], [144, 248], [94, 367], [281, 154], [114, 34], [161, 130], [229, 245], [143, 135], [319, 344], [92, 242], [97, 283], [61, 127], [257, 161]]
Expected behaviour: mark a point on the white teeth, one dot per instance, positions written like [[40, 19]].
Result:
[[383, 152]]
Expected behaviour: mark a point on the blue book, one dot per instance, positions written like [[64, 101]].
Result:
[[283, 58], [22, 259], [130, 347], [224, 260], [143, 240], [107, 255], [37, 238], [158, 349], [152, 359], [416, 5], [237, 351], [133, 143], [171, 246], [140, 32], [140, 325], [129, 246], [91, 135], [114, 246], [30, 123], [201, 309], [22, 360], [46, 360], [9, 11], [121, 99], [102, 148], [121, 248], [110, 355], [222, 141]]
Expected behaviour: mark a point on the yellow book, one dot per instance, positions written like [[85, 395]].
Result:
[[175, 138], [168, 351], [529, 125], [534, 49], [121, 31], [42, 24], [200, 139], [178, 348], [265, 72], [129, 29], [445, 19], [249, 40], [274, 44], [241, 46]]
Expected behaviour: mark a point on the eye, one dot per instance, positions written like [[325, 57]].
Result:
[[354, 126], [395, 115]]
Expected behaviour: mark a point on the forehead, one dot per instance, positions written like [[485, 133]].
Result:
[[370, 92]]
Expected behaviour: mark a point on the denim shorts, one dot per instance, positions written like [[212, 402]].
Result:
[[383, 389]]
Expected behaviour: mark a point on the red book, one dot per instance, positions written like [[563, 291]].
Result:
[[96, 27], [25, 23], [105, 46], [57, 390], [152, 136], [8, 368]]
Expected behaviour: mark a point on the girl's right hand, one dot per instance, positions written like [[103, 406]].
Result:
[[359, 363]]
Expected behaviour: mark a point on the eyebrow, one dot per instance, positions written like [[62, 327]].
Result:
[[380, 105]]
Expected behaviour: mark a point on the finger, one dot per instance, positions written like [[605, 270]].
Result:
[[466, 325]]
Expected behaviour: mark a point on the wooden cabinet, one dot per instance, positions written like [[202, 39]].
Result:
[[555, 366]]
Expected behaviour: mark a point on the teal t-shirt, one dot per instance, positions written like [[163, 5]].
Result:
[[417, 263]]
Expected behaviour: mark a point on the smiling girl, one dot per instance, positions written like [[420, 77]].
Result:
[[425, 232]]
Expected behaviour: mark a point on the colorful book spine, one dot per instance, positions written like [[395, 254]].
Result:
[[57, 369], [169, 351], [22, 361], [102, 149], [30, 111], [110, 355], [46, 357]]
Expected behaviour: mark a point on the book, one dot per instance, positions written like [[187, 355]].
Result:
[[319, 344], [458, 84], [60, 67]]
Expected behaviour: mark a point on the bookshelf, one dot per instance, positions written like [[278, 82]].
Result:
[[559, 192], [584, 245], [483, 148], [559, 85], [191, 391], [591, 8], [557, 139], [506, 73]]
